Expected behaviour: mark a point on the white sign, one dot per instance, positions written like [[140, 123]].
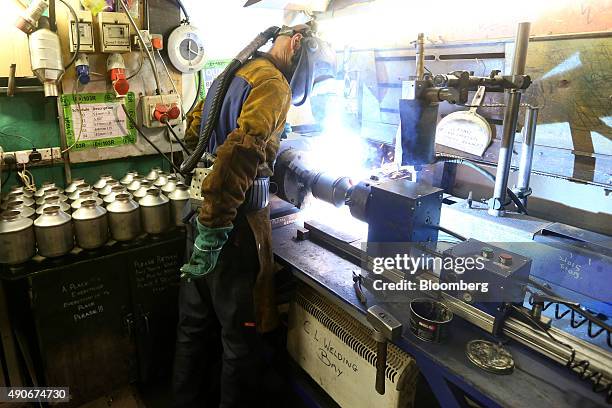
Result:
[[99, 121]]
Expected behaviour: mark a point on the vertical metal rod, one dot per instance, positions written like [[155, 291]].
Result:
[[381, 366], [10, 89], [526, 160], [499, 199], [420, 57]]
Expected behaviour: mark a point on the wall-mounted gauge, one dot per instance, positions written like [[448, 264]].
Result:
[[185, 49]]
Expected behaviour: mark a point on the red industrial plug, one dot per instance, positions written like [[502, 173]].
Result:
[[164, 113], [116, 71]]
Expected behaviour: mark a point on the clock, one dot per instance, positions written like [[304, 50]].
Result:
[[185, 49]]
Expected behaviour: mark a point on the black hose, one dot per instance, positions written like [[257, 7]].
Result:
[[78, 34], [127, 115], [486, 174], [224, 80], [180, 4]]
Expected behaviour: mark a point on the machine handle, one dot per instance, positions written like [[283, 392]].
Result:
[[381, 365]]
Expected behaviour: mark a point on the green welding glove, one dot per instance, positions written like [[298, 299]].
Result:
[[206, 250]]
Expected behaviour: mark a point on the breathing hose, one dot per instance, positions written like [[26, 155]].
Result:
[[224, 80], [489, 176]]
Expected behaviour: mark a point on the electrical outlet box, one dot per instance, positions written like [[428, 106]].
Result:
[[23, 156], [154, 107], [48, 156], [85, 30], [113, 32]]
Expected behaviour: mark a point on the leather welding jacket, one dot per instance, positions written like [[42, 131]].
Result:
[[245, 141]]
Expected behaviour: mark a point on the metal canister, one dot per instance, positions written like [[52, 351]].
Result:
[[118, 189], [124, 218], [155, 212], [22, 190], [179, 198], [153, 173], [135, 184], [142, 190], [76, 194], [170, 185], [24, 211], [17, 241], [51, 201], [101, 182], [129, 176], [53, 231], [90, 225], [46, 186], [162, 179], [86, 195], [51, 192], [106, 190], [71, 188], [27, 201]]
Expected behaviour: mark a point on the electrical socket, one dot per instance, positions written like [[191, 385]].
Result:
[[48, 155], [23, 156]]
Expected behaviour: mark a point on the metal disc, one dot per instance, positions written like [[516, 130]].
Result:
[[489, 356]]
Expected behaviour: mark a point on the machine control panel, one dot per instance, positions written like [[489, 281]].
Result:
[[504, 272]]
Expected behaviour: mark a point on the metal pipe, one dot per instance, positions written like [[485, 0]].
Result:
[[143, 45], [420, 57], [499, 199], [10, 89], [526, 160]]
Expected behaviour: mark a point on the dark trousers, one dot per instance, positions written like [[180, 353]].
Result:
[[221, 300]]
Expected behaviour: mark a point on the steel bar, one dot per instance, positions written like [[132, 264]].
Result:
[[420, 57], [499, 199], [526, 160]]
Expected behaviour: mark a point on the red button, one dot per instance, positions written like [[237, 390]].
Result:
[[505, 259]]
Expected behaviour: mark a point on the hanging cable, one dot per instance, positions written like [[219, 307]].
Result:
[[178, 140], [143, 45], [141, 133], [180, 4], [78, 34], [19, 137], [82, 119]]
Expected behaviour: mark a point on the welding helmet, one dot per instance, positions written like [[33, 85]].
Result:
[[316, 62]]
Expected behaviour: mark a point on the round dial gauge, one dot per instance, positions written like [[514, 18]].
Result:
[[185, 49]]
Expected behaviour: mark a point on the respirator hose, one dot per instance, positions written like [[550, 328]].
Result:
[[225, 78]]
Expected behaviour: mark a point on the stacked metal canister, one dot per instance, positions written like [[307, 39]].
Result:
[[51, 221]]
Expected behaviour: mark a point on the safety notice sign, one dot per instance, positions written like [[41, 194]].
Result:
[[97, 120]]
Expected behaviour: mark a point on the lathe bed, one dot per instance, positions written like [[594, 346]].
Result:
[[536, 381]]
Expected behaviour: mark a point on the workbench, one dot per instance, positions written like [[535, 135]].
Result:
[[535, 381]]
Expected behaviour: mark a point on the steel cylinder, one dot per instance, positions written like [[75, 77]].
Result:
[[17, 243], [54, 235]]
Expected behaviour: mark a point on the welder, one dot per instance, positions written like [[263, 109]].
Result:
[[228, 281]]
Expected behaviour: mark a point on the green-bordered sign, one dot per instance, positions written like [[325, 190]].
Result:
[[212, 69], [97, 120]]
